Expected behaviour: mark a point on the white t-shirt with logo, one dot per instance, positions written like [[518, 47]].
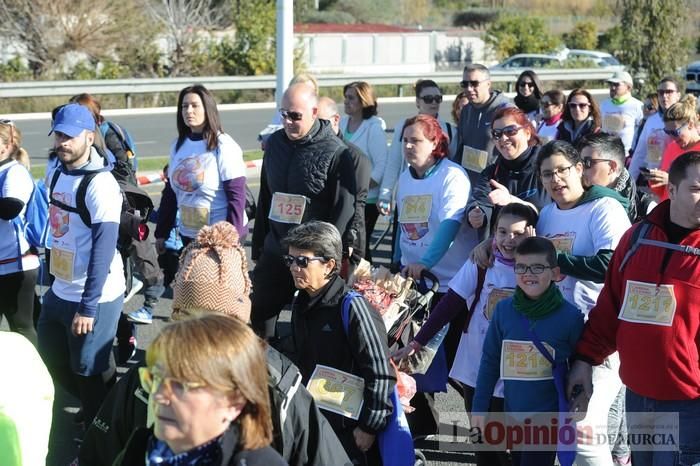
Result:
[[499, 283], [424, 204], [622, 120], [197, 175], [19, 185], [583, 231], [71, 239]]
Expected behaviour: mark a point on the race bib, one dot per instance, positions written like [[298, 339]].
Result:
[[416, 209], [337, 391], [613, 122], [194, 218], [564, 243], [521, 360], [656, 144], [61, 265], [496, 295], [474, 159], [287, 208], [647, 303]]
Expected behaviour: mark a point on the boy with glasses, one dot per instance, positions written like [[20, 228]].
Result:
[[537, 318]]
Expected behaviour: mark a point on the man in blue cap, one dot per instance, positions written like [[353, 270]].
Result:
[[80, 311]]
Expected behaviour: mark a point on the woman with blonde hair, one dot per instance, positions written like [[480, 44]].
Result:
[[681, 126], [19, 263], [207, 381]]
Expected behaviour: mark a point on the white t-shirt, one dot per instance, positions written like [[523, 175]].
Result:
[[548, 132], [422, 205], [197, 175], [622, 120], [18, 184], [71, 239], [651, 145], [583, 231], [498, 283]]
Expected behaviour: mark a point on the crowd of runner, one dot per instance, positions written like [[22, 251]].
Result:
[[562, 235]]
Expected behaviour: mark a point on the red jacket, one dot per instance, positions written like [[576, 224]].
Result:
[[659, 361]]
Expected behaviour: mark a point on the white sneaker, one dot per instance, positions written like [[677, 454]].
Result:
[[136, 286]]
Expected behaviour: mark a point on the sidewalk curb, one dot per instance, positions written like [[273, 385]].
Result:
[[156, 177]]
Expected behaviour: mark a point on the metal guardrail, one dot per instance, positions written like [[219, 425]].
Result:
[[143, 86]]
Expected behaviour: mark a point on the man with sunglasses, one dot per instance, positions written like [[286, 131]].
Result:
[[652, 141], [603, 157], [648, 313], [475, 119], [621, 113], [307, 174]]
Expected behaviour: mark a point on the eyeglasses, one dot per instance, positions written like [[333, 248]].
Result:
[[535, 269], [665, 91], [429, 99], [562, 173], [613, 84], [526, 83], [509, 131], [293, 116], [546, 103], [151, 382], [589, 162], [649, 107], [675, 133], [580, 106], [301, 261], [474, 83]]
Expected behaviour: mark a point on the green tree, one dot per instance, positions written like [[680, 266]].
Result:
[[512, 34], [253, 50], [656, 40], [583, 36], [611, 40]]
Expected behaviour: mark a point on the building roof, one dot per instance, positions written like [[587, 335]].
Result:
[[334, 28]]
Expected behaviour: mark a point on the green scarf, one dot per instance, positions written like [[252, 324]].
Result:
[[540, 307], [597, 192], [621, 100]]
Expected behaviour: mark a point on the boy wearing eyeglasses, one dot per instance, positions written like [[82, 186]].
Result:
[[537, 318]]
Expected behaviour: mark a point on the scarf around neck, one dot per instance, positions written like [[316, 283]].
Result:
[[527, 104], [540, 307], [500, 257]]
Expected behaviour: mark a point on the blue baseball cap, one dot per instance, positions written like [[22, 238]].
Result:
[[72, 119]]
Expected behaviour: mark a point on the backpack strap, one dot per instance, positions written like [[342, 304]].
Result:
[[639, 239], [480, 279], [345, 309], [449, 130], [80, 194], [639, 233]]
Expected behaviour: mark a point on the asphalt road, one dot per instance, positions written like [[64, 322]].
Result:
[[64, 448], [153, 133]]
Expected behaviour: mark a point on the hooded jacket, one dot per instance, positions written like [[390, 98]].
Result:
[[318, 166], [475, 124], [658, 359]]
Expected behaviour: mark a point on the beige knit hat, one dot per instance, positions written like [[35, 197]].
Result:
[[213, 275]]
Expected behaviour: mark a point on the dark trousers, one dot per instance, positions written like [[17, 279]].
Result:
[[488, 458], [17, 302], [371, 216], [273, 289], [145, 258], [169, 262]]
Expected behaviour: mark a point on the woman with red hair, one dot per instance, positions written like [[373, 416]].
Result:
[[512, 177]]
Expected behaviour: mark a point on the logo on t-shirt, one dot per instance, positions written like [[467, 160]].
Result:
[[189, 175], [564, 242], [415, 231], [59, 219]]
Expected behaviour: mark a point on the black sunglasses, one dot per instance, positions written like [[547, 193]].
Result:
[[581, 106], [589, 162], [293, 116], [526, 83], [473, 83], [429, 99], [509, 131], [301, 261], [675, 133]]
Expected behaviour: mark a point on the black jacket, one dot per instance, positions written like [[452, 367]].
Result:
[[320, 338], [304, 437], [318, 166], [565, 131], [519, 176], [228, 451]]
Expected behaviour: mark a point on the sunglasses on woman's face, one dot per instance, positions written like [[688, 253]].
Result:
[[675, 133], [529, 84], [429, 99], [301, 261], [509, 131], [292, 116], [580, 106]]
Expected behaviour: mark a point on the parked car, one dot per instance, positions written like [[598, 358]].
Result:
[[528, 61], [600, 59], [692, 77]]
